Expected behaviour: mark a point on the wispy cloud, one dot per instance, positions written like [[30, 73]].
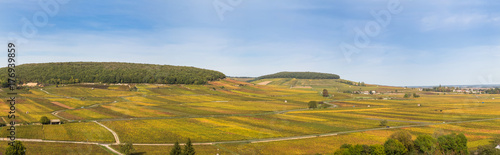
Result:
[[445, 43]]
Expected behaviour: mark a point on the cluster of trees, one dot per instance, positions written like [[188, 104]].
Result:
[[492, 91], [408, 95], [401, 143], [111, 72], [352, 83], [314, 105], [300, 75], [188, 149], [440, 89], [489, 149], [17, 148]]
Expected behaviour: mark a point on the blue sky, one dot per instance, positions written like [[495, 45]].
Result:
[[422, 43]]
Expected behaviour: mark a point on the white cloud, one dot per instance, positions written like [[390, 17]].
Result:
[[454, 21]]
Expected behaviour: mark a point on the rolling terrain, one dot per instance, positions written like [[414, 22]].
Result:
[[228, 116]]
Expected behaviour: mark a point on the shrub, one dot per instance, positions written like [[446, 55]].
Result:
[[44, 120]]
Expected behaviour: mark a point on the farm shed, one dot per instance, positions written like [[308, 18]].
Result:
[[55, 121]]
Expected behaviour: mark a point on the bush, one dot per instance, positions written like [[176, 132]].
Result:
[[383, 123], [312, 104], [17, 148], [127, 148], [415, 95], [44, 120]]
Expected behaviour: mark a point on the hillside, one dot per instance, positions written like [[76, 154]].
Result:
[[300, 75], [112, 72]]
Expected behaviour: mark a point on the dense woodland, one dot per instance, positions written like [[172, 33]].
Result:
[[300, 75], [110, 72]]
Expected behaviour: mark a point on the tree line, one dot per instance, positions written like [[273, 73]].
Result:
[[492, 91], [352, 83], [401, 143], [300, 75], [440, 89], [111, 72]]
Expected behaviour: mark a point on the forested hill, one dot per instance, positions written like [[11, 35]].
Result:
[[111, 72], [301, 75]]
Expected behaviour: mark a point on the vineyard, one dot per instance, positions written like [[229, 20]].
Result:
[[234, 117]]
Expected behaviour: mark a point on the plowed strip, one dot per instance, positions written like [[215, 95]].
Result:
[[62, 105]]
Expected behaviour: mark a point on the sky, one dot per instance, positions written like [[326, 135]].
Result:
[[387, 42]]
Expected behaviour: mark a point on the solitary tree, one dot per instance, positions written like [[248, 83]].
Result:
[[383, 123], [407, 96], [176, 150], [127, 148], [415, 95], [17, 148], [312, 104], [325, 93], [188, 148], [44, 120]]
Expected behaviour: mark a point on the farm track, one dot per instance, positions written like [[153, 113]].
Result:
[[117, 140]]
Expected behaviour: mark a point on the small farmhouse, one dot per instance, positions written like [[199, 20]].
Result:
[[55, 121], [31, 84]]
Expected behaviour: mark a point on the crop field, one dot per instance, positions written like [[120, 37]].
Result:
[[66, 132], [200, 149], [328, 145], [230, 110], [75, 91], [238, 128], [60, 148]]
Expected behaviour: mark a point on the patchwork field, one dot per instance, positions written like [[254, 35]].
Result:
[[236, 117]]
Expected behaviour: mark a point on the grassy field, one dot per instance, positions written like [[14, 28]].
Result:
[[231, 110]]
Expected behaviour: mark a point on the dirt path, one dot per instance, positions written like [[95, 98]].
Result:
[[117, 140], [264, 83], [379, 119], [111, 149], [62, 105]]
